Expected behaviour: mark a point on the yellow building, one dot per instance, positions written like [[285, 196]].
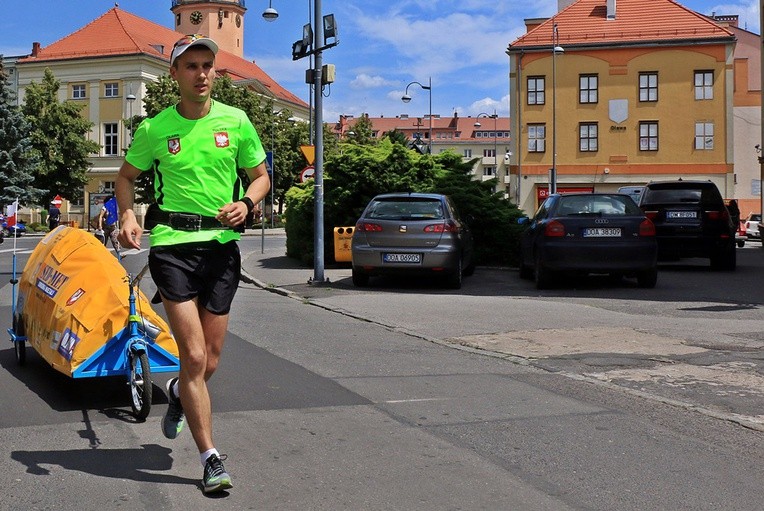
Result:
[[605, 95]]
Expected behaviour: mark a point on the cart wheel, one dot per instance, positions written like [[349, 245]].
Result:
[[140, 384], [21, 352], [20, 347]]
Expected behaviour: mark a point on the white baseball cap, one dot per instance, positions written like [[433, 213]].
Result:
[[192, 40]]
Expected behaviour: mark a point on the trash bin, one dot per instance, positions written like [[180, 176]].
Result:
[[342, 244]]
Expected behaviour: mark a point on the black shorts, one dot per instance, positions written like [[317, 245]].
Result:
[[209, 271]]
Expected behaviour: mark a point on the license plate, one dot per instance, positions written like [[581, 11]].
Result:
[[682, 214], [402, 258], [602, 232]]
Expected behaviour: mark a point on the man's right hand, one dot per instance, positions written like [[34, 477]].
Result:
[[130, 231]]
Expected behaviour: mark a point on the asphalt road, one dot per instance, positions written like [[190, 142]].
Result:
[[330, 397]]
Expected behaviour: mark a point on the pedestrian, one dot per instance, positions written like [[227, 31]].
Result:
[[108, 225], [54, 216], [195, 148]]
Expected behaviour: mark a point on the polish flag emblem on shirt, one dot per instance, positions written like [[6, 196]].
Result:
[[173, 145], [221, 139]]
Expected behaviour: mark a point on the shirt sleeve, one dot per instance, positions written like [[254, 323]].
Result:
[[251, 152], [139, 155]]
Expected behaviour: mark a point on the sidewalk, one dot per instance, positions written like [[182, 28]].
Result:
[[271, 269]]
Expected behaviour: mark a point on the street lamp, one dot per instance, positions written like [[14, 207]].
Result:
[[270, 14], [406, 98], [130, 99], [495, 118], [556, 49]]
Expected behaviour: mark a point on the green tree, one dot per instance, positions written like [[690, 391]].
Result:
[[59, 139], [396, 136], [351, 178], [363, 131], [17, 158], [493, 219]]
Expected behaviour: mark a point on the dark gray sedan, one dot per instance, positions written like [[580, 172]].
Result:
[[412, 233], [604, 233]]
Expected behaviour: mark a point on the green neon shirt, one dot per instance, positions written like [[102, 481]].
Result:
[[195, 163]]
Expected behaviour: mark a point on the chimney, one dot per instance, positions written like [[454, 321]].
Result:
[[35, 49], [562, 4], [611, 9]]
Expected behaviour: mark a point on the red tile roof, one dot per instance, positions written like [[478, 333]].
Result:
[[585, 23], [464, 125], [120, 33]]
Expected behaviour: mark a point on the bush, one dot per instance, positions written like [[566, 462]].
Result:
[[354, 177]]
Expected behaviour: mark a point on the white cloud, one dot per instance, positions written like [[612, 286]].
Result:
[[748, 11], [365, 81]]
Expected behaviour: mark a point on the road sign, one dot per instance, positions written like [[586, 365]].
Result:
[[269, 162], [309, 152], [307, 173]]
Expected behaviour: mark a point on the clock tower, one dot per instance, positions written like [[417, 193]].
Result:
[[222, 20]]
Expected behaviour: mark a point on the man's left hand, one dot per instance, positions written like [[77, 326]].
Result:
[[232, 214]]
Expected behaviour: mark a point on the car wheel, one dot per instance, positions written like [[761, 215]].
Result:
[[526, 272], [541, 275], [454, 280], [360, 279], [647, 278], [741, 243]]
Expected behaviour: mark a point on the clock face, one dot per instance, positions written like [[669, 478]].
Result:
[[196, 17], [238, 21]]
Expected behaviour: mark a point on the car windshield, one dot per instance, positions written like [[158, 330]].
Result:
[[405, 209], [597, 205]]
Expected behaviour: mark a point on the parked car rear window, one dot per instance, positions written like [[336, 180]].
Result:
[[706, 196], [597, 204], [406, 209]]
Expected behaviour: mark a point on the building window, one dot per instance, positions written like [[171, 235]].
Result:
[[648, 136], [536, 95], [109, 186], [78, 91], [467, 153], [111, 90], [489, 153], [536, 138], [587, 88], [587, 136], [704, 136], [489, 171], [110, 139], [704, 85], [648, 86]]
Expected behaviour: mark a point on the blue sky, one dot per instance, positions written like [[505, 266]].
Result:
[[384, 45]]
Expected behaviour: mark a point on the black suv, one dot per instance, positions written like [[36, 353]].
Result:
[[691, 220]]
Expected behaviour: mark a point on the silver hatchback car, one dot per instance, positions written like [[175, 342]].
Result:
[[412, 233]]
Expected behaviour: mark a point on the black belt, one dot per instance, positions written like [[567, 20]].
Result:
[[184, 221]]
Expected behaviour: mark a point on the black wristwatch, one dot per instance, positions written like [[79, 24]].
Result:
[[250, 205]]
